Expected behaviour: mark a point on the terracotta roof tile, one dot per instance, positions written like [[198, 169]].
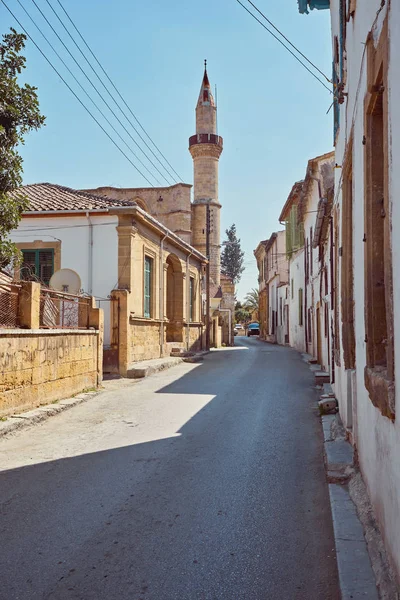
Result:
[[48, 197]]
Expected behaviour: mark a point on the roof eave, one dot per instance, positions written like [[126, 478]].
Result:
[[76, 211], [148, 219]]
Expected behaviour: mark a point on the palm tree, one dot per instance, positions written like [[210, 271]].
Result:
[[251, 301]]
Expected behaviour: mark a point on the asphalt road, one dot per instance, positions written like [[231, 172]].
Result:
[[205, 482]]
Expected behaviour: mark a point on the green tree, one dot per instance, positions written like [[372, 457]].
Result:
[[251, 300], [242, 315], [232, 255], [19, 114]]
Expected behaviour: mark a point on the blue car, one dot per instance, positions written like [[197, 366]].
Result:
[[253, 329]]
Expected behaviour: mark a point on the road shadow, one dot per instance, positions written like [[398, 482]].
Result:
[[232, 504]]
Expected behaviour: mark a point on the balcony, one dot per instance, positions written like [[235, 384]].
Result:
[[206, 138], [304, 5]]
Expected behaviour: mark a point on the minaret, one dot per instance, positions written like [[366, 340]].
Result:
[[205, 148]]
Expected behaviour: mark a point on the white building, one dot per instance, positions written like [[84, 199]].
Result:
[[295, 255], [314, 213], [366, 47], [113, 245]]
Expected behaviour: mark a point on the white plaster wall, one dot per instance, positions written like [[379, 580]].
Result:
[[296, 272], [377, 438], [312, 285], [73, 232], [281, 328]]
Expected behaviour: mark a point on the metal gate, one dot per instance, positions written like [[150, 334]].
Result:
[[111, 349]]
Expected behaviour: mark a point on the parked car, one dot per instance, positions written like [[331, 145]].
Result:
[[253, 329]]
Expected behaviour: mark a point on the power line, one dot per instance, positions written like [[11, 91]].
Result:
[[74, 94], [119, 94], [284, 45], [289, 42], [45, 228], [97, 91], [103, 84], [83, 89]]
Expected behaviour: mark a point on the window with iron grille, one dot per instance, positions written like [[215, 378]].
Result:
[[37, 265], [148, 287]]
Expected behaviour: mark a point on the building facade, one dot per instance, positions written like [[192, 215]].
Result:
[[167, 258], [263, 307], [294, 232], [273, 278], [366, 253], [313, 213]]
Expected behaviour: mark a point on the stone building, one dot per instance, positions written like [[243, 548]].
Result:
[[273, 278], [140, 252], [263, 309], [172, 207]]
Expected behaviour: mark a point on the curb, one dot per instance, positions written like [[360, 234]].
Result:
[[357, 580], [146, 368], [38, 415], [356, 576]]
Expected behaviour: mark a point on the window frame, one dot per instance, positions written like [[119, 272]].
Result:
[[148, 298], [37, 252], [192, 299], [379, 374]]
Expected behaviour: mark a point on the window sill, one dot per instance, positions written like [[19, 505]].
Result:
[[381, 390], [144, 319]]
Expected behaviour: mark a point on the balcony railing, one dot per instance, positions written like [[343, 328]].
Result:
[[205, 138]]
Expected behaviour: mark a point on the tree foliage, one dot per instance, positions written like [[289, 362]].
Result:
[[232, 255], [242, 315], [251, 300], [19, 114]]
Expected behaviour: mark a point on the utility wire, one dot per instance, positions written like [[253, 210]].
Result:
[[72, 92], [289, 42], [284, 45], [117, 91], [83, 89], [97, 91], [106, 88]]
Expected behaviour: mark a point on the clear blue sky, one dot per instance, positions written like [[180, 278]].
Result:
[[271, 112]]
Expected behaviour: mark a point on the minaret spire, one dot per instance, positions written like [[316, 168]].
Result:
[[205, 148]]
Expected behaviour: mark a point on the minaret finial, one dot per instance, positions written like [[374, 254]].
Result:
[[205, 64]]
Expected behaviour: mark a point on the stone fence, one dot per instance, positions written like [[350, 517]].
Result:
[[42, 363]]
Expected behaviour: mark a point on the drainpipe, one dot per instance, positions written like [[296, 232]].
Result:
[[187, 302], [90, 253], [161, 294], [228, 310]]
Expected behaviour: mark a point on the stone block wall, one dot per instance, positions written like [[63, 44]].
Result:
[[38, 366], [195, 337], [42, 366], [169, 205], [144, 340]]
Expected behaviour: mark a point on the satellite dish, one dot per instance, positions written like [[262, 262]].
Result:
[[65, 280]]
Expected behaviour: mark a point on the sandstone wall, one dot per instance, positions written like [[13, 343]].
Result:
[[42, 366], [144, 340]]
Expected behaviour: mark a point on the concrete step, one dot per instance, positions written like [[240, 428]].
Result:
[[145, 368], [327, 390], [321, 377]]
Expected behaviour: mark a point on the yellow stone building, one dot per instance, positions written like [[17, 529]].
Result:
[[147, 270]]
